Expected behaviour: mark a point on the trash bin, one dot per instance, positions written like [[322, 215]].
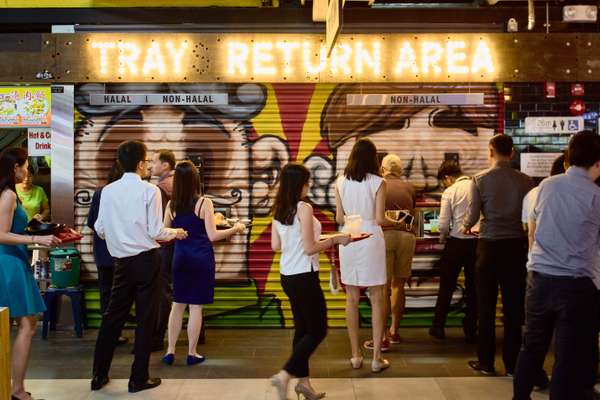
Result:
[[65, 265]]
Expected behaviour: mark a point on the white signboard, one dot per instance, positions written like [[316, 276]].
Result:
[[39, 142], [415, 99], [538, 165], [553, 124], [154, 99]]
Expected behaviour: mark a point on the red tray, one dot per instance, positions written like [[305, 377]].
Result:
[[362, 236]]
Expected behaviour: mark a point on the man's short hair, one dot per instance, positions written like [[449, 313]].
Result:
[[584, 149], [502, 145], [167, 156], [130, 154], [393, 164], [449, 168]]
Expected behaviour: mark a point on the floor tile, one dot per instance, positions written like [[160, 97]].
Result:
[[397, 389], [59, 389], [497, 388]]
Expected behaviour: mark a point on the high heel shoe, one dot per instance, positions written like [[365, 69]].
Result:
[[379, 365], [169, 359], [307, 393], [356, 362], [193, 360], [280, 387]]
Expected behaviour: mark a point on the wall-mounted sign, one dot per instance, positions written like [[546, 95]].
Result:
[[144, 57], [415, 99], [538, 165], [181, 99], [39, 142], [545, 125], [25, 106]]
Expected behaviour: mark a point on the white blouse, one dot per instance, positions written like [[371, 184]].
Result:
[[293, 258]]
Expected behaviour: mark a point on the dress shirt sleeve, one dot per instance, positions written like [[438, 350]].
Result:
[[445, 213], [534, 206], [474, 209], [156, 227], [99, 224]]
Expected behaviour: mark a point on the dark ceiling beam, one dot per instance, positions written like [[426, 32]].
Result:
[[356, 20]]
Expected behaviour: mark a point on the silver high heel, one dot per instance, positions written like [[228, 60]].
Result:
[[307, 393], [356, 362], [280, 387]]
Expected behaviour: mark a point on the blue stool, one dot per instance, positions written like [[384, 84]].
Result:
[[52, 297]]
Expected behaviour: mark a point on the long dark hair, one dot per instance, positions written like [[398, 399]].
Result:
[[8, 159], [363, 160], [115, 173], [186, 188], [293, 178]]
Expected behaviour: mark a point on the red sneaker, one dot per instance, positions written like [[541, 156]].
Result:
[[394, 339], [385, 345]]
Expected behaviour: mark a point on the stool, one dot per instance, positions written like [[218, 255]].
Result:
[[52, 297]]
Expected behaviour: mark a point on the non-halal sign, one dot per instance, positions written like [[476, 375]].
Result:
[[180, 99]]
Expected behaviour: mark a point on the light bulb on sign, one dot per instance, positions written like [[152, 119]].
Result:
[[128, 55], [237, 55], [455, 57], [154, 60], [363, 56], [340, 59], [287, 48], [104, 47], [307, 55], [482, 59], [407, 59], [177, 55], [432, 53], [262, 59]]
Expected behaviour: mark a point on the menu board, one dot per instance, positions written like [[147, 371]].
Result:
[[25, 106]]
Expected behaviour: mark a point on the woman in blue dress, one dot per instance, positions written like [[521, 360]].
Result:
[[18, 290], [194, 259]]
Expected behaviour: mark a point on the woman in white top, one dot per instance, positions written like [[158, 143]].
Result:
[[361, 191], [296, 233]]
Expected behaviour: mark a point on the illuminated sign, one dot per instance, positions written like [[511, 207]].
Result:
[[238, 57]]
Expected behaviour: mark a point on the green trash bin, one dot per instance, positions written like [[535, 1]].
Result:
[[65, 266]]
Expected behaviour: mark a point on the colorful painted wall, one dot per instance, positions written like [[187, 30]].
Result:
[[242, 147]]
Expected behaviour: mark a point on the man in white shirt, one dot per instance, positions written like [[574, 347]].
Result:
[[130, 220], [460, 251]]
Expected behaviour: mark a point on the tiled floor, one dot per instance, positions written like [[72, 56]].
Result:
[[258, 353], [239, 363], [259, 389]]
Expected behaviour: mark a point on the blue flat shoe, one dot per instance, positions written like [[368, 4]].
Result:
[[193, 360], [169, 359]]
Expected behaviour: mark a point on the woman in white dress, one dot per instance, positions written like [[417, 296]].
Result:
[[361, 191]]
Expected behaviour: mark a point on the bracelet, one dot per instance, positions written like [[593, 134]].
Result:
[[332, 242]]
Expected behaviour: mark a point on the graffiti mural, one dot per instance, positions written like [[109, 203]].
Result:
[[241, 148]]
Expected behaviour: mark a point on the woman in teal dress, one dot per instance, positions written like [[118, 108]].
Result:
[[18, 290]]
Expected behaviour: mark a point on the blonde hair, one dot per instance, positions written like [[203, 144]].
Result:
[[392, 164]]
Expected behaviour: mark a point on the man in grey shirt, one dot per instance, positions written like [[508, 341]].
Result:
[[564, 277], [497, 196]]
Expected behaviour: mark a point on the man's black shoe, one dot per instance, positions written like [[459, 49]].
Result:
[[149, 384], [437, 332], [98, 382], [476, 366]]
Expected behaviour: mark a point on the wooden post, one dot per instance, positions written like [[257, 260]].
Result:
[[4, 354]]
